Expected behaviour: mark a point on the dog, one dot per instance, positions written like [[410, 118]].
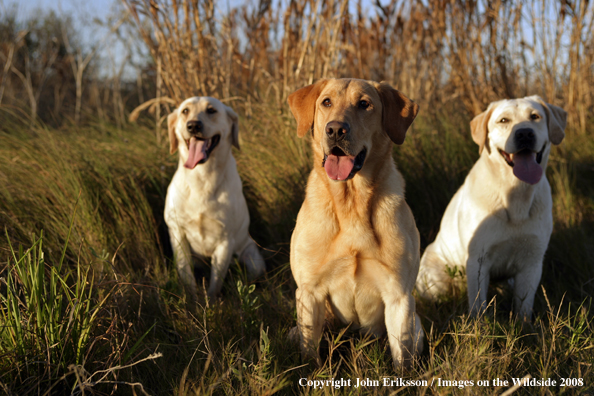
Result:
[[355, 247], [205, 209], [499, 222]]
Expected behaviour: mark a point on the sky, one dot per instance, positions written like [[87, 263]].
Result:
[[84, 15], [83, 12], [98, 8]]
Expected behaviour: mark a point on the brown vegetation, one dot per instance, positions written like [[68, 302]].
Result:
[[439, 53]]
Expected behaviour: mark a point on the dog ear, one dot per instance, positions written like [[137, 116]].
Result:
[[303, 105], [556, 118], [234, 127], [398, 114], [479, 127], [173, 142]]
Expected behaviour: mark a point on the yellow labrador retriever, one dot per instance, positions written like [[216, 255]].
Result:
[[355, 248], [205, 209], [499, 222]]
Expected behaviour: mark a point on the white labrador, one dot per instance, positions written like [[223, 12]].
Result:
[[205, 209], [498, 224]]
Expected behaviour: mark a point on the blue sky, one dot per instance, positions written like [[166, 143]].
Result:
[[98, 8], [84, 15]]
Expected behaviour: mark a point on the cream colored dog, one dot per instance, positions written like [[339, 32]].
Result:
[[499, 222], [205, 209], [355, 247]]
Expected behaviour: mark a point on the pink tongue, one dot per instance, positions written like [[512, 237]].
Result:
[[526, 168], [339, 168], [197, 152]]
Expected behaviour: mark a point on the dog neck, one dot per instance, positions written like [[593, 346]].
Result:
[[207, 177], [355, 198], [518, 199]]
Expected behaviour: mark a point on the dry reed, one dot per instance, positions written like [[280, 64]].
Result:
[[443, 52]]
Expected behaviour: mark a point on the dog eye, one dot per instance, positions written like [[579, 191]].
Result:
[[211, 110], [504, 120], [534, 116], [327, 102], [185, 111], [363, 104]]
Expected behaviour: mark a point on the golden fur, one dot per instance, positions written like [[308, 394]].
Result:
[[355, 247]]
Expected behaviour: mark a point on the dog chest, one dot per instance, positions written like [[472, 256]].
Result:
[[506, 256], [204, 233], [355, 287]]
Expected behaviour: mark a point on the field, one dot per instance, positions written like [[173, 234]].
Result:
[[89, 297]]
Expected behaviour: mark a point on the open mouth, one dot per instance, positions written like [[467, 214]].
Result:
[[200, 149], [526, 164], [340, 166]]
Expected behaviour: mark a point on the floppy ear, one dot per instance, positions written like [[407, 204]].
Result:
[[173, 142], [303, 105], [398, 114], [556, 118], [479, 127], [235, 127]]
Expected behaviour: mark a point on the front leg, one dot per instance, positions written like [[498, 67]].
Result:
[[401, 325], [253, 260], [433, 280], [477, 273], [220, 261], [525, 286], [310, 322], [183, 261]]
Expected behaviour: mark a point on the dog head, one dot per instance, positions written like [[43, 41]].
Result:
[[198, 126], [352, 122], [518, 133]]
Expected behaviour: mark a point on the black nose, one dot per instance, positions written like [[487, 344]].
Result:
[[337, 130], [194, 127], [525, 138]]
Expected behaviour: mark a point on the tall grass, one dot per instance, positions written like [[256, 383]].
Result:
[[444, 53], [45, 171], [274, 165], [96, 194], [46, 320]]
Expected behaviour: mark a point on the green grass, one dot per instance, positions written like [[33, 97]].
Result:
[[47, 319], [91, 302]]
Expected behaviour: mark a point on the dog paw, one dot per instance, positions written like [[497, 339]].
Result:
[[294, 335]]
